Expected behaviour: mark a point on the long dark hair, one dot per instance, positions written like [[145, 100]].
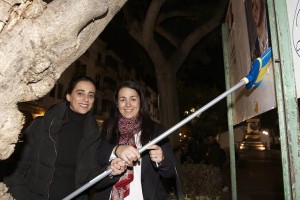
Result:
[[110, 127]]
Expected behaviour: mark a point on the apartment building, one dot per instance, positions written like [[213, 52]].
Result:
[[107, 69]]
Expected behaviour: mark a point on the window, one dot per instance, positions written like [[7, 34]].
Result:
[[80, 69], [98, 81], [106, 105], [109, 84], [111, 62], [99, 59]]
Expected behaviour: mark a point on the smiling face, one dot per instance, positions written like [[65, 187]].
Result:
[[82, 97], [128, 102]]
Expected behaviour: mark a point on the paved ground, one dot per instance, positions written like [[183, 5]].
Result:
[[258, 176]]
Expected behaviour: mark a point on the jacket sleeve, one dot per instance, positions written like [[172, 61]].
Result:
[[16, 181], [103, 155], [167, 167]]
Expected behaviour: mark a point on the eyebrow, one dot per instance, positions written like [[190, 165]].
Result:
[[126, 97], [81, 90]]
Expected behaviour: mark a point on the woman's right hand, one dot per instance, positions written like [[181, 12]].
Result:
[[127, 153]]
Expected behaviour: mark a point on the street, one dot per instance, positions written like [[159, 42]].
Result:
[[258, 176]]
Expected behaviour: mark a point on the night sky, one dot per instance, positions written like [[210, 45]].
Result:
[[204, 65]]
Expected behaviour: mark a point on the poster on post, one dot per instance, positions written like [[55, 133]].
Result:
[[248, 38]]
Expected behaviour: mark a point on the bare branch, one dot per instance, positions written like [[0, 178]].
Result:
[[134, 27], [150, 19], [175, 41], [191, 13], [193, 38]]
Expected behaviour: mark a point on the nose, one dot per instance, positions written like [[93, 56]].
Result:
[[86, 97], [127, 103]]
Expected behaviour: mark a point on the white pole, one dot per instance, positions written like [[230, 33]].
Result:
[[162, 136]]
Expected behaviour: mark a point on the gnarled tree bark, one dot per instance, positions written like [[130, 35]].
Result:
[[38, 41]]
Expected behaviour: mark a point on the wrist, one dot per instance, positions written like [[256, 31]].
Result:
[[116, 148]]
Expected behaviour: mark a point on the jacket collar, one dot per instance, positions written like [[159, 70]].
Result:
[[57, 115]]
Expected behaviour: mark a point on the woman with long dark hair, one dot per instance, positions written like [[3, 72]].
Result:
[[127, 129]]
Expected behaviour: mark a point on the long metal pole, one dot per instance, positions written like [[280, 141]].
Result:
[[160, 137]]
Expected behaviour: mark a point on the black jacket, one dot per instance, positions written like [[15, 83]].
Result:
[[151, 184], [34, 172]]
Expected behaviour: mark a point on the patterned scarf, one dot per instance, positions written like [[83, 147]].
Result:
[[128, 128]]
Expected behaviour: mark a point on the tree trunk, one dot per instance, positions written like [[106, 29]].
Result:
[[168, 99], [38, 41]]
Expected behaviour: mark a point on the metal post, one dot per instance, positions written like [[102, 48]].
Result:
[[286, 97], [229, 113]]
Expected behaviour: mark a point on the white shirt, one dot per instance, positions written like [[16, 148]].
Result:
[[135, 187]]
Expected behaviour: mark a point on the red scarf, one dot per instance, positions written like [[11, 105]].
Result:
[[128, 128]]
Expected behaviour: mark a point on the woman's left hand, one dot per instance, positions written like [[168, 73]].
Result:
[[156, 153], [118, 166]]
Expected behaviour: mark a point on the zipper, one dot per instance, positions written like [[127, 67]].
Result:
[[55, 150]]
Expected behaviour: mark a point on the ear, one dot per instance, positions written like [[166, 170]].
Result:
[[68, 97]]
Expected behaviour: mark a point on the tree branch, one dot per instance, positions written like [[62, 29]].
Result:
[[175, 41], [150, 20], [193, 38], [191, 13]]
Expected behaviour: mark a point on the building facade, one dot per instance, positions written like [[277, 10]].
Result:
[[106, 68]]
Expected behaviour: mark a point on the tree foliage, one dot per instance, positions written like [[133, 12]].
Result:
[[213, 120]]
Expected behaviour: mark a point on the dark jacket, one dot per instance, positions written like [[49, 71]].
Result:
[[34, 172], [213, 155], [151, 184]]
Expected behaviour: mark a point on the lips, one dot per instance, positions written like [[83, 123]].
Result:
[[128, 110], [84, 105]]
